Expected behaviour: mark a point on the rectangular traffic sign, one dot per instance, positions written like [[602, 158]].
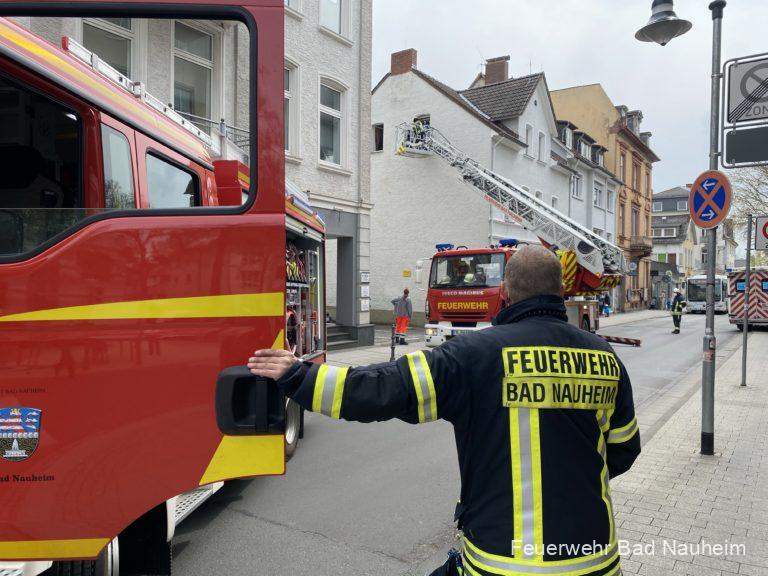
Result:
[[748, 91], [761, 233], [746, 146]]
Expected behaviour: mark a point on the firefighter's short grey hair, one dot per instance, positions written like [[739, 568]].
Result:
[[533, 271]]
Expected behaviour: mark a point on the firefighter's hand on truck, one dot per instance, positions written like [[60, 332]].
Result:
[[271, 363]]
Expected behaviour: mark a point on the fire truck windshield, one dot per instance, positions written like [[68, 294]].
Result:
[[467, 271]]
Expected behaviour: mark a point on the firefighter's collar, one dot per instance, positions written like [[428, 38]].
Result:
[[537, 306]]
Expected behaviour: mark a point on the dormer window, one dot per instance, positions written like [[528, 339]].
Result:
[[597, 155], [584, 149], [568, 140]]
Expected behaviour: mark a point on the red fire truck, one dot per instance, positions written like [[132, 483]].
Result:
[[465, 284], [758, 296], [136, 276], [465, 291]]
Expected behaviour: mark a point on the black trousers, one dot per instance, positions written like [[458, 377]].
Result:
[[676, 319]]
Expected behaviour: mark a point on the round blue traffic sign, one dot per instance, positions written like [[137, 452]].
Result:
[[710, 199]]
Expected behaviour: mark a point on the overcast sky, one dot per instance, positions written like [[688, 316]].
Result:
[[583, 42]]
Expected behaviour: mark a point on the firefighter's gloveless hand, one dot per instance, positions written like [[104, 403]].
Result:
[[271, 363]]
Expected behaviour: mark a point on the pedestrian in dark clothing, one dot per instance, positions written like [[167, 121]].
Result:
[[543, 417], [607, 304], [677, 310], [403, 315]]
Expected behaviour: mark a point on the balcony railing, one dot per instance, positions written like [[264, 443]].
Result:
[[642, 244], [223, 134]]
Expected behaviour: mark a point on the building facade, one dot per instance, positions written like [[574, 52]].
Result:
[[676, 242], [201, 69], [672, 205], [629, 156], [507, 125]]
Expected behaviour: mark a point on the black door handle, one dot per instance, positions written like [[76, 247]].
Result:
[[248, 404]]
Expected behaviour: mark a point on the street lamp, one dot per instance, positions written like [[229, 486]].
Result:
[[662, 27]]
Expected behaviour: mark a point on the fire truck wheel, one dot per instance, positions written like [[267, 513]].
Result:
[[292, 427], [107, 564]]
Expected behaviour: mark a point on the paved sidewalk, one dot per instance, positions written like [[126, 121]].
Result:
[[681, 506]]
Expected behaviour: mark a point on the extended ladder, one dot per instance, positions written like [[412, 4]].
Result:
[[593, 252]]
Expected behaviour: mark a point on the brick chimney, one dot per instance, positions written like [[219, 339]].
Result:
[[403, 61], [496, 69]]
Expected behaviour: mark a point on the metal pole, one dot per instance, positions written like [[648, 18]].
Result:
[[746, 304], [710, 343], [392, 345]]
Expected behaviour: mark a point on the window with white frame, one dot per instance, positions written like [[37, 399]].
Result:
[[610, 200], [555, 202], [111, 39], [193, 71], [291, 107], [657, 206], [539, 194], [584, 149], [664, 232], [331, 123], [576, 187], [529, 140], [287, 105], [568, 138], [331, 15], [609, 237], [542, 146], [598, 199], [682, 205]]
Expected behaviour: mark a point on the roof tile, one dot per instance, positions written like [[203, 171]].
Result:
[[504, 100]]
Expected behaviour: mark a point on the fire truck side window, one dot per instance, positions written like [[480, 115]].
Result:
[[170, 186], [118, 171], [40, 152]]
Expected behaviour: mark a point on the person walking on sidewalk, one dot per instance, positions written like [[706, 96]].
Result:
[[403, 315], [677, 310], [543, 417], [607, 305]]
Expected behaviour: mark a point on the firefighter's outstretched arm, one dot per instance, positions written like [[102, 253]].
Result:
[[420, 387], [623, 439]]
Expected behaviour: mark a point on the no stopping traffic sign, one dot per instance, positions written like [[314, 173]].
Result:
[[761, 233], [710, 199]]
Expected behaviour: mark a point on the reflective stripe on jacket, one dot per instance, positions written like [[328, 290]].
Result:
[[543, 417], [677, 305]]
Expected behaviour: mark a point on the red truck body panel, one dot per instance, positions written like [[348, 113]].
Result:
[[117, 332]]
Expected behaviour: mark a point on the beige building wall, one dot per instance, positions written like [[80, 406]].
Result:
[[590, 108]]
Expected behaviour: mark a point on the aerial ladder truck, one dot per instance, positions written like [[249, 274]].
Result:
[[591, 264]]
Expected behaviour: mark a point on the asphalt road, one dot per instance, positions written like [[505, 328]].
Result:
[[378, 499]]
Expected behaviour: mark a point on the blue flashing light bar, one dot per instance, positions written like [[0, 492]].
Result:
[[444, 247], [509, 243]]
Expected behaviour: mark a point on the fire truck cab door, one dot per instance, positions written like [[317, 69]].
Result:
[[117, 333]]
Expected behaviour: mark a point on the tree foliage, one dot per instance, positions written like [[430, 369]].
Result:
[[750, 194]]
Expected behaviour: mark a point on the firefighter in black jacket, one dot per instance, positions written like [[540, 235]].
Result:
[[678, 303], [543, 418]]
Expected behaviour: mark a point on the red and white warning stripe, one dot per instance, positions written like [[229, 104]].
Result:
[[621, 340]]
